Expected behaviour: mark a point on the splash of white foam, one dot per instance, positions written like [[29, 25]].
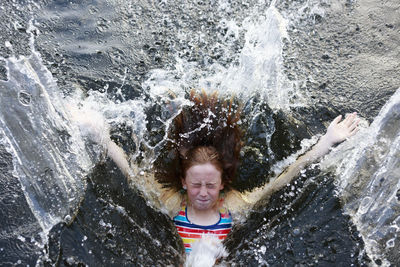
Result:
[[50, 169], [205, 252], [259, 69], [368, 178]]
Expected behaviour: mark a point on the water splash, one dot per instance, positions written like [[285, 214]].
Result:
[[368, 181], [242, 74], [258, 69], [49, 158], [205, 252]]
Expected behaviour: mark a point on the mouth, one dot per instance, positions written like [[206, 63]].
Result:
[[203, 200]]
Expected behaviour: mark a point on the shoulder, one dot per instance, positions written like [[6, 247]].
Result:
[[236, 205], [172, 201], [180, 216], [226, 216]]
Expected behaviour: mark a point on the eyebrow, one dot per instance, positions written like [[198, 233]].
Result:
[[206, 183]]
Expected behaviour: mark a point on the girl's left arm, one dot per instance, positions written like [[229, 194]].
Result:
[[338, 131]]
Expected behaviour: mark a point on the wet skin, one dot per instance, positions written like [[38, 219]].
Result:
[[203, 183]]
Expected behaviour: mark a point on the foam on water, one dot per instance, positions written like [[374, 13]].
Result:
[[49, 155], [368, 181], [259, 67], [36, 119], [205, 252]]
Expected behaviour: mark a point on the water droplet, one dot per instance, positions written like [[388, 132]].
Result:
[[24, 98], [378, 261], [67, 218], [93, 9], [390, 243], [296, 231]]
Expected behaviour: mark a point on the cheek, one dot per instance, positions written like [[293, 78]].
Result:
[[214, 193], [192, 191]]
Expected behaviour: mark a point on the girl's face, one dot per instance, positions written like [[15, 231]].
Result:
[[203, 183]]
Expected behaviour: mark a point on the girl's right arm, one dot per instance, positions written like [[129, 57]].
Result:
[[93, 125]]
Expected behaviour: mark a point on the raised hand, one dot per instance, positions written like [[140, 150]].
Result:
[[338, 130]]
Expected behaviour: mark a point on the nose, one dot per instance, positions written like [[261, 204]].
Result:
[[203, 190]]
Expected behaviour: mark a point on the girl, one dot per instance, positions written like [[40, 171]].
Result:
[[194, 173]]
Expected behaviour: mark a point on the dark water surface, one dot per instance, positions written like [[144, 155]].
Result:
[[304, 228], [129, 52]]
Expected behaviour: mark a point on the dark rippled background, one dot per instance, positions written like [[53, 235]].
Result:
[[350, 52]]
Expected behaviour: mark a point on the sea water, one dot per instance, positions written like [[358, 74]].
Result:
[[52, 158]]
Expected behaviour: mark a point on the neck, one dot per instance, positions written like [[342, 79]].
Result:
[[203, 217]]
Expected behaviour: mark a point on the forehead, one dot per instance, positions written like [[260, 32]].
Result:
[[203, 172]]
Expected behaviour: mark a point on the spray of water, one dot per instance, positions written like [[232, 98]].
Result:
[[205, 252], [38, 121], [49, 156], [258, 71], [368, 181], [259, 68]]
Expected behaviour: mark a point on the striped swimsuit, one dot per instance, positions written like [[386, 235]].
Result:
[[191, 232]]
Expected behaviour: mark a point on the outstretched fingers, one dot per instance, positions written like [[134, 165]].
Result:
[[354, 124], [354, 127], [349, 120], [339, 130], [354, 131], [337, 119], [351, 123]]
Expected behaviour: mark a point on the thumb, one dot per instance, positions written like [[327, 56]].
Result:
[[336, 120]]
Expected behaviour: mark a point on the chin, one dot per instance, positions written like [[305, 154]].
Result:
[[204, 206]]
